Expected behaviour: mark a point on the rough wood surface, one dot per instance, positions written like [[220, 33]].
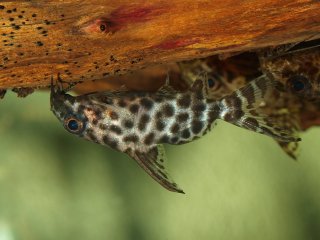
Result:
[[87, 40]]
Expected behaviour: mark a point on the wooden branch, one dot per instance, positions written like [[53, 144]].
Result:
[[87, 40]]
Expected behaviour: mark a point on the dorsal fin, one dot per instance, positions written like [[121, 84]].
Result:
[[289, 48], [166, 88], [153, 160], [201, 84]]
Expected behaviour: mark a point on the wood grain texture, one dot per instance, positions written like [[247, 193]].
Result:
[[88, 40]]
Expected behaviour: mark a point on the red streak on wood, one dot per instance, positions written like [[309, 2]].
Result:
[[127, 15]]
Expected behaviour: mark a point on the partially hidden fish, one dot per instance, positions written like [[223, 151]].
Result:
[[296, 66], [298, 71], [226, 76], [139, 123]]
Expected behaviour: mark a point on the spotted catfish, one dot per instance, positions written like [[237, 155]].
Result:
[[138, 123], [226, 76]]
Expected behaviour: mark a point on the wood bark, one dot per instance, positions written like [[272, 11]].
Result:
[[89, 40]]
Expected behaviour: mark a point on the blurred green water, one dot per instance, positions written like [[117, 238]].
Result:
[[238, 184]]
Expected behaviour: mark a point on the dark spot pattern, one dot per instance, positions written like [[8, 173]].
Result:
[[184, 101], [143, 121], [160, 125], [199, 107], [110, 142], [97, 113], [158, 115], [128, 124], [146, 103], [149, 138], [164, 139], [113, 115], [186, 134], [131, 138], [182, 117], [174, 140], [134, 108], [196, 126], [115, 129], [175, 128], [168, 110]]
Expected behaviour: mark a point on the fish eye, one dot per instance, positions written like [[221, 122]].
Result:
[[73, 125], [211, 82], [298, 83]]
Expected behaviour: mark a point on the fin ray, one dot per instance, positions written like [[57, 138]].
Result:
[[166, 88], [153, 161]]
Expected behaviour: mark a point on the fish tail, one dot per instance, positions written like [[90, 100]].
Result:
[[241, 108]]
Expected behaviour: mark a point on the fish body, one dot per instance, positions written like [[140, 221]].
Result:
[[139, 123]]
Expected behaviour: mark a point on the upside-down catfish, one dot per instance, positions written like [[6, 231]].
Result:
[[138, 123]]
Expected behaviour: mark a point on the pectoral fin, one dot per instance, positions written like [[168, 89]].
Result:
[[152, 160]]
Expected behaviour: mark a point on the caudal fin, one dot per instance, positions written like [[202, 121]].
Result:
[[241, 109]]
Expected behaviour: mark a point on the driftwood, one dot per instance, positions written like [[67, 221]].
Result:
[[88, 40]]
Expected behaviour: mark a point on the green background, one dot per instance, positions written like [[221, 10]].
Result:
[[238, 184]]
